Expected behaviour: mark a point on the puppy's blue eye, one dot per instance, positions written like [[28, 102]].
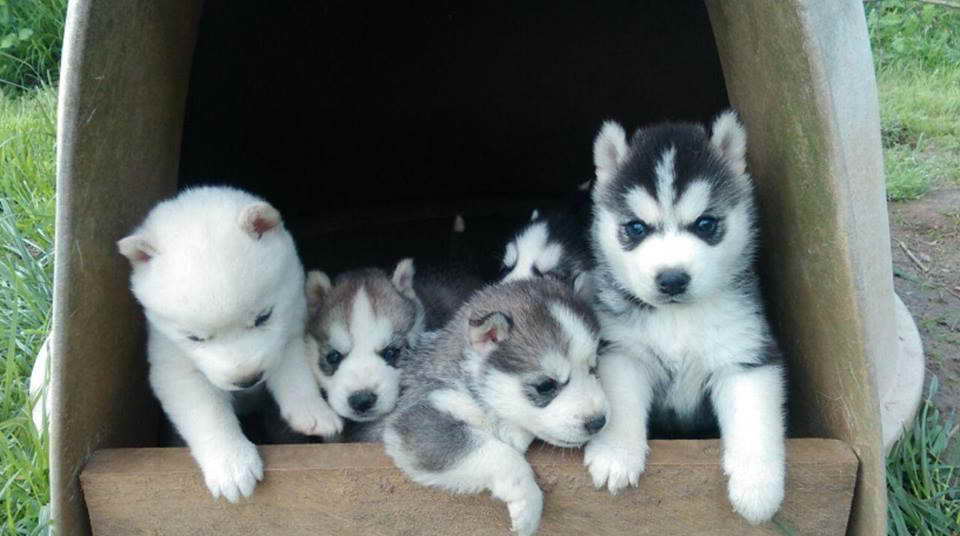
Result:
[[636, 229], [262, 318], [390, 354], [705, 226], [546, 386], [334, 357]]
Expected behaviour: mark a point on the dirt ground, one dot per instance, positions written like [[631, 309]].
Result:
[[925, 239]]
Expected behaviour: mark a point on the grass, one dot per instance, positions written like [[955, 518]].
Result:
[[31, 36], [26, 268], [923, 477], [920, 113], [917, 55]]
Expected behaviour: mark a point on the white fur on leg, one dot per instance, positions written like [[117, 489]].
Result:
[[617, 455], [749, 408], [204, 416], [297, 394], [495, 466]]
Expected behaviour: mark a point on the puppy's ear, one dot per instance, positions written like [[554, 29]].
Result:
[[258, 219], [403, 277], [609, 150], [729, 138], [583, 286], [318, 285], [489, 331], [137, 249]]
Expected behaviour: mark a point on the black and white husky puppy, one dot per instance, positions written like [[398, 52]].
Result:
[[516, 362], [553, 243], [674, 234]]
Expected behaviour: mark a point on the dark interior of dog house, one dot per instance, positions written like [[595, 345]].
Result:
[[371, 125]]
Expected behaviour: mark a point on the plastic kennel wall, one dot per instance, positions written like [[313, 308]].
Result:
[[369, 126]]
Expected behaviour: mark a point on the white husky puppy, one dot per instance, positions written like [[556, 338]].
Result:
[[674, 239], [223, 292], [516, 362]]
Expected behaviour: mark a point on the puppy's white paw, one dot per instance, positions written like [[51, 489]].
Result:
[[233, 470], [525, 513], [615, 466], [755, 487], [315, 419]]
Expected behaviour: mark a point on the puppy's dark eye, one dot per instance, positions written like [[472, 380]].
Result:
[[504, 270], [536, 271], [593, 370], [390, 354], [334, 357], [194, 338], [705, 226], [262, 318], [546, 386], [636, 229]]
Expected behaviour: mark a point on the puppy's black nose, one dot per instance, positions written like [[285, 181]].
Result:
[[595, 424], [673, 281], [249, 381], [361, 401]]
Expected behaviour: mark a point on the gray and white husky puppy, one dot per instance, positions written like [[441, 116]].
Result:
[[516, 362], [364, 322], [674, 235]]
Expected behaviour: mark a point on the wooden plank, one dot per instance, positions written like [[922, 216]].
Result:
[[354, 489]]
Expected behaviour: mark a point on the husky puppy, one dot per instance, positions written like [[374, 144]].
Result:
[[674, 235], [222, 289], [516, 362], [364, 322], [553, 243]]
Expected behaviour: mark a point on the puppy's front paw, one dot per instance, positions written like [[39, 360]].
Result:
[[755, 487], [315, 419], [613, 465], [233, 470], [525, 513]]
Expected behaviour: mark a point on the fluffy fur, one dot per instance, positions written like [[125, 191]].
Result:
[[674, 238], [554, 243], [365, 323], [222, 289], [516, 362]]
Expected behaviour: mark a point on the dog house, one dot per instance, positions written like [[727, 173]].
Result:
[[369, 126]]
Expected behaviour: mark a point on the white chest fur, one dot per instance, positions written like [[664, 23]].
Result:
[[684, 346]]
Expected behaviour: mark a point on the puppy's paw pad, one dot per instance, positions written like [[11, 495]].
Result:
[[233, 471], [756, 490], [614, 466]]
